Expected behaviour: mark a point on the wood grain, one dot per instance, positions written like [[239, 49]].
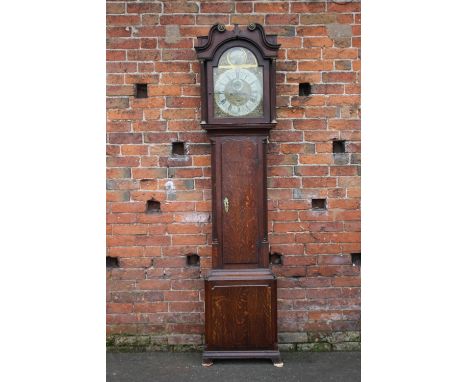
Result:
[[241, 315], [239, 173]]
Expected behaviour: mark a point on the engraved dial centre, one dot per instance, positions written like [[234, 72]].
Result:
[[238, 92]]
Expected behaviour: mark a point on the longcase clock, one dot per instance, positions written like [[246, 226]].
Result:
[[238, 110]]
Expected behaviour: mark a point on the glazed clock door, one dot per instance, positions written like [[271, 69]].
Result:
[[238, 85], [240, 201]]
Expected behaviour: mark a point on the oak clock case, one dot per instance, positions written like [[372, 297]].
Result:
[[237, 79]]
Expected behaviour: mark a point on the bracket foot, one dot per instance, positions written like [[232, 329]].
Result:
[[277, 362], [207, 362]]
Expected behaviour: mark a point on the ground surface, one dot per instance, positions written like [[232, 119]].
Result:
[[175, 367]]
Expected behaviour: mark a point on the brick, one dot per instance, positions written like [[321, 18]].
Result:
[[281, 20], [181, 296], [338, 77], [119, 90], [321, 42], [122, 43], [182, 102], [159, 137], [180, 7], [117, 103], [149, 126], [337, 53], [149, 7], [143, 55], [217, 7], [212, 19], [115, 8], [318, 18], [293, 204], [171, 67], [307, 7], [123, 161], [119, 307], [316, 159], [177, 78], [149, 173], [115, 55], [178, 54], [242, 7], [311, 31], [344, 7], [154, 284], [317, 65], [118, 32], [316, 182], [271, 7], [149, 19], [307, 54], [151, 31], [280, 170], [119, 138], [295, 148], [281, 238], [186, 307], [284, 182], [309, 124], [122, 20], [286, 136], [151, 307], [146, 103]]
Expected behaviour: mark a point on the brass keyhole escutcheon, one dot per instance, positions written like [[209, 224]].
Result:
[[226, 204]]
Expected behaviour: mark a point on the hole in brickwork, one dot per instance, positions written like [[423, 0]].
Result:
[[276, 258], [304, 89], [141, 91], [319, 204], [112, 262], [339, 147], [178, 148], [153, 206], [356, 259], [193, 260]]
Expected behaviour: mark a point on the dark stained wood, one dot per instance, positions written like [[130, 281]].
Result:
[[241, 314], [240, 290], [239, 169], [240, 237]]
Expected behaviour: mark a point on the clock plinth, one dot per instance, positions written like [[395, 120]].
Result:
[[238, 111]]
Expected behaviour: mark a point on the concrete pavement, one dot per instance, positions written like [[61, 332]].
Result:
[[175, 367]]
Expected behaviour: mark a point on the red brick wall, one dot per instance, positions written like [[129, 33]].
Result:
[[154, 293]]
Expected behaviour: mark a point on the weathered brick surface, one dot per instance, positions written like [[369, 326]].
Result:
[[155, 300]]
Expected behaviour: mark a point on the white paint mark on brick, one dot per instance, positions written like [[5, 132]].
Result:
[[196, 217], [169, 186]]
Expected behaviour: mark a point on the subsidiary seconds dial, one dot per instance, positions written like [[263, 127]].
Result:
[[238, 91]]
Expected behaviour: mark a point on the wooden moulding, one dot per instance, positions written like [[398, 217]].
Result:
[[240, 274], [274, 355]]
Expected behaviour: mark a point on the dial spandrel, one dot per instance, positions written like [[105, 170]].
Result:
[[238, 85]]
